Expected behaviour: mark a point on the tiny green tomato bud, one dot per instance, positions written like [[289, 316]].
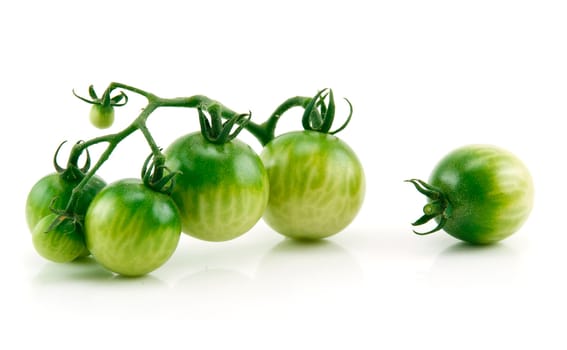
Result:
[[102, 116]]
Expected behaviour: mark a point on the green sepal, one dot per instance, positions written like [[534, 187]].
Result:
[[319, 116], [218, 132], [157, 176], [436, 208], [92, 93], [342, 127], [106, 100], [314, 119], [72, 172], [328, 115]]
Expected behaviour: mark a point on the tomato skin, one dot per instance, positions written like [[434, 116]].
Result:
[[317, 184], [130, 229], [489, 190], [63, 243], [102, 116], [57, 186], [221, 190]]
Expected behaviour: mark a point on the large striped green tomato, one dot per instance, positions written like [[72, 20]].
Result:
[[131, 229], [478, 193], [317, 184], [221, 190]]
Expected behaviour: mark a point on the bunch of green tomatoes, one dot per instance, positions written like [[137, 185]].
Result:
[[306, 185]]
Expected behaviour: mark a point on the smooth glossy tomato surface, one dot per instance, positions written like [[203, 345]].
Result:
[[131, 229], [489, 191], [221, 190], [317, 184], [59, 243], [56, 189], [102, 116]]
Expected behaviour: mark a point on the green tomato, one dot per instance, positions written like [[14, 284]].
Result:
[[317, 184], [480, 194], [102, 116], [131, 229], [221, 190], [62, 243], [58, 189]]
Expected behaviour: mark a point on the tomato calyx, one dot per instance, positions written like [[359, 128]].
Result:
[[72, 173], [157, 176], [62, 216], [77, 177], [102, 111], [436, 208], [218, 132], [320, 115]]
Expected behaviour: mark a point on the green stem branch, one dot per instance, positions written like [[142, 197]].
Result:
[[264, 132], [269, 126]]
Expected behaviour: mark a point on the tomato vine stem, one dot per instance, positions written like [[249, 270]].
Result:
[[264, 132]]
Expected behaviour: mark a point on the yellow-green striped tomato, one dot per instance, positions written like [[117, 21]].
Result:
[[61, 243], [317, 184], [478, 193], [131, 229], [220, 190]]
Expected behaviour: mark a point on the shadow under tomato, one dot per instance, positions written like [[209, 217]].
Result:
[[82, 269], [85, 270], [213, 281], [295, 266], [467, 265], [85, 288], [213, 293]]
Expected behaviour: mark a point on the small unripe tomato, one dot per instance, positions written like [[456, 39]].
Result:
[[62, 243], [53, 191], [102, 116]]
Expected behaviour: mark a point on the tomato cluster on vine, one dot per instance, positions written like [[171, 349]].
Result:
[[306, 184], [210, 185]]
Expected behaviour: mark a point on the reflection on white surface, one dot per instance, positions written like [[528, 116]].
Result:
[[228, 281], [287, 273], [296, 267], [86, 271], [79, 270], [66, 291], [303, 281], [465, 265], [378, 280], [212, 294]]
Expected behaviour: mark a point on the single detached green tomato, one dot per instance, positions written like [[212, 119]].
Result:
[[317, 184], [221, 191], [63, 243], [131, 229], [55, 187], [102, 116], [479, 194]]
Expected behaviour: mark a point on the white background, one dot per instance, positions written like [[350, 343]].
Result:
[[424, 77]]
